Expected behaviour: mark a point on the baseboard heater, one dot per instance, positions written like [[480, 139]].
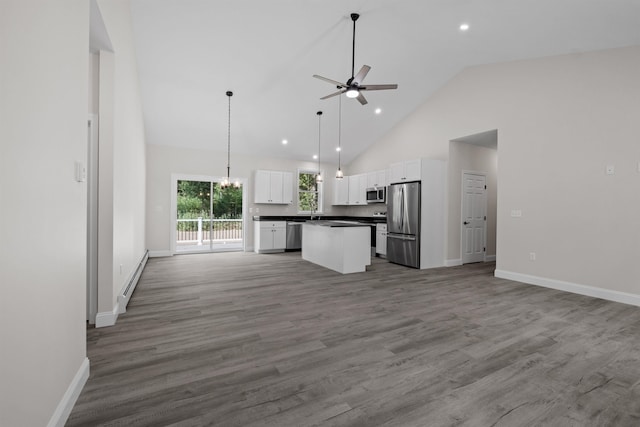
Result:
[[124, 298]]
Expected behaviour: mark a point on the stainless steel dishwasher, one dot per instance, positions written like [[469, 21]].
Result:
[[294, 236]]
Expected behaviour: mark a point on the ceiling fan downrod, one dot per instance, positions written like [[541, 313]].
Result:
[[354, 18]]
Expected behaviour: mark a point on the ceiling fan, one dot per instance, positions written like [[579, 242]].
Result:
[[354, 87]]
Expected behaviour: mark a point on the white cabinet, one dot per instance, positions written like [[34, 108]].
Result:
[[287, 188], [377, 179], [410, 170], [341, 191], [273, 187], [358, 189], [270, 236], [381, 239]]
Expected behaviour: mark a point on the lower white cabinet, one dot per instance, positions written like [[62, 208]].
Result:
[[381, 239], [270, 236]]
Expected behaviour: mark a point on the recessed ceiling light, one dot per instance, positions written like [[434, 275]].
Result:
[[378, 110], [338, 149], [315, 156], [285, 142], [464, 27]]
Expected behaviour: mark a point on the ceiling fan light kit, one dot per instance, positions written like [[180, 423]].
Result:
[[353, 88]]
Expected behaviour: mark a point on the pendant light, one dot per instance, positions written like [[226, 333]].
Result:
[[226, 182], [319, 176], [339, 174]]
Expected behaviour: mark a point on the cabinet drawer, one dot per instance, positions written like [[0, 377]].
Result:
[[273, 224]]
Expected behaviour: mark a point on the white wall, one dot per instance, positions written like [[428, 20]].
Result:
[[43, 130], [122, 169], [163, 161], [561, 120]]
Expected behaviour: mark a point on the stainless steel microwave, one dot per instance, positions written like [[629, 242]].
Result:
[[377, 195]]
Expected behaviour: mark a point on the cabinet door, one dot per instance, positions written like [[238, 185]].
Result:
[[381, 239], [287, 188], [372, 179], [279, 238], [341, 191], [413, 170], [355, 188], [262, 187], [396, 172], [362, 191], [266, 239], [276, 186], [381, 178]]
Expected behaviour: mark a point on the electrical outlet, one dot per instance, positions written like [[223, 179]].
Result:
[[532, 256], [516, 213], [250, 210], [611, 170]]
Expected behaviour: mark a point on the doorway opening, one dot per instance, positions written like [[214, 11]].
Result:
[[208, 217], [473, 186]]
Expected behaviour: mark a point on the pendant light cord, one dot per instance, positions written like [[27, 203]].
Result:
[[339, 131], [229, 94], [319, 113]]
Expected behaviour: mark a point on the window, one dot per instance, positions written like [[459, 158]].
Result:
[[309, 193]]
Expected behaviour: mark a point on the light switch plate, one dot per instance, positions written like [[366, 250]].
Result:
[[80, 171]]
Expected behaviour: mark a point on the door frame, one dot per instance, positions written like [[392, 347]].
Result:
[[92, 218], [175, 177], [462, 228]]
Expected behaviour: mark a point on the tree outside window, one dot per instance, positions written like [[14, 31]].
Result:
[[309, 192]]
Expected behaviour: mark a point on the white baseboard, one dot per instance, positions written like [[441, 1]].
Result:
[[489, 258], [61, 414], [590, 291], [108, 318], [159, 254], [131, 283], [452, 262]]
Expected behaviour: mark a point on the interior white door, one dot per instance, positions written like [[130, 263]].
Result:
[[474, 219]]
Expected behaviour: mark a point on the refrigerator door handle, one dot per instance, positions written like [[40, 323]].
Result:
[[400, 237]]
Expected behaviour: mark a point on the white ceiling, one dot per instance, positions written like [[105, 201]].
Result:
[[190, 52]]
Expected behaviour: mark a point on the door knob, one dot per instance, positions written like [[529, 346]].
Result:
[[466, 223]]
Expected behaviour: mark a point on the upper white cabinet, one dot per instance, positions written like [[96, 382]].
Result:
[[410, 170], [287, 188], [341, 191], [377, 179], [358, 189], [274, 187]]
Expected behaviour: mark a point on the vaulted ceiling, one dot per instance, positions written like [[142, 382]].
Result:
[[190, 52]]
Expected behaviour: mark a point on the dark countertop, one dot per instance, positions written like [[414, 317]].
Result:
[[303, 218], [337, 223]]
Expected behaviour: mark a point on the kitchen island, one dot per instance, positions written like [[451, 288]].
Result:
[[342, 246]]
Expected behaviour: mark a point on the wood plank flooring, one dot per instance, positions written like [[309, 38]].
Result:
[[241, 339]]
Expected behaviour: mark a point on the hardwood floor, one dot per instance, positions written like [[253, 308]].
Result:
[[241, 339]]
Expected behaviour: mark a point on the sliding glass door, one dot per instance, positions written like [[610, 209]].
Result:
[[208, 217]]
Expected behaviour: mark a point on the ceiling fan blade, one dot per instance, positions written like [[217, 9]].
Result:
[[334, 94], [362, 99], [361, 74], [333, 82], [378, 87]]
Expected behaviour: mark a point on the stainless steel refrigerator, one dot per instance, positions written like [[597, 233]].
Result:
[[403, 224]]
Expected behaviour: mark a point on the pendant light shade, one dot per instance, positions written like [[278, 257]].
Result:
[[226, 182], [319, 175], [339, 174]]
